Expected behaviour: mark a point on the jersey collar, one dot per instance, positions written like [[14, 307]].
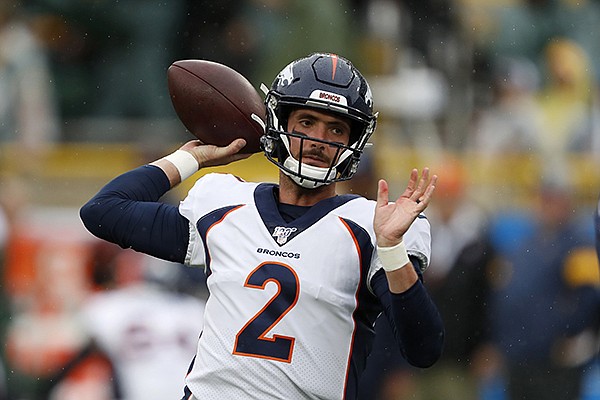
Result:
[[265, 198]]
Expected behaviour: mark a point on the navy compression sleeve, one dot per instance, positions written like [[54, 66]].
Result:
[[415, 319], [126, 211]]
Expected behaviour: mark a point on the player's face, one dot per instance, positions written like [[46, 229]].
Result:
[[318, 125]]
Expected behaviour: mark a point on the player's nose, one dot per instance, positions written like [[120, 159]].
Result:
[[319, 131]]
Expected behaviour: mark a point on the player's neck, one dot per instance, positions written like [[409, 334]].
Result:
[[291, 193]]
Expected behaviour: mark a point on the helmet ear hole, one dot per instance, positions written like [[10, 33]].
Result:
[[356, 131]]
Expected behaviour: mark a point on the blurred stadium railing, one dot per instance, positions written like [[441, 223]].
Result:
[[69, 174]]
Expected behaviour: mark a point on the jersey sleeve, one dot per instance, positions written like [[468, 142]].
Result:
[[418, 241], [127, 211]]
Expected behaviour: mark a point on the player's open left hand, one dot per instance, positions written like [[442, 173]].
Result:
[[209, 155], [392, 219]]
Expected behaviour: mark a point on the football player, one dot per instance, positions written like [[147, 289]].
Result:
[[297, 274]]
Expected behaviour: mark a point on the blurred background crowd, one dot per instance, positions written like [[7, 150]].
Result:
[[499, 97]]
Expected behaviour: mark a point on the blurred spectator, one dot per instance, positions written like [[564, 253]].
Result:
[[565, 97], [28, 113], [544, 310], [523, 28], [578, 21], [538, 30], [457, 278], [140, 323], [45, 280], [456, 220], [510, 123], [505, 128]]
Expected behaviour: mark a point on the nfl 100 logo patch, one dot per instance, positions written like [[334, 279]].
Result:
[[282, 233]]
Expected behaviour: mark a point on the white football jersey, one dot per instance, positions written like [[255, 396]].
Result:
[[149, 334], [290, 312]]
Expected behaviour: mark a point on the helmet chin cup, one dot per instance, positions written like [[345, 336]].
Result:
[[308, 176]]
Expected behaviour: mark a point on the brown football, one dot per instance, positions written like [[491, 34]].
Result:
[[216, 103]]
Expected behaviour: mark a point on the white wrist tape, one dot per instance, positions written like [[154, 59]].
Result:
[[185, 163], [394, 257]]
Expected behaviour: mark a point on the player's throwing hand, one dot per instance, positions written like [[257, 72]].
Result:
[[209, 155]]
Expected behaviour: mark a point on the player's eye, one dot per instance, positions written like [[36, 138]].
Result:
[[307, 123], [338, 131]]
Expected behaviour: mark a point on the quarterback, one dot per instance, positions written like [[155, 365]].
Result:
[[297, 274]]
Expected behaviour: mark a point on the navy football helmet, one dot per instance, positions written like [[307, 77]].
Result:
[[325, 82]]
